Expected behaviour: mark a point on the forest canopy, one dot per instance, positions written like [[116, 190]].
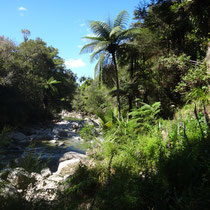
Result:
[[34, 82]]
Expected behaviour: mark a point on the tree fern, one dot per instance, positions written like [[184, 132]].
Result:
[[144, 117], [105, 44]]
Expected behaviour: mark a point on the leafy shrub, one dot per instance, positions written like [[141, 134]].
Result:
[[144, 117], [88, 132]]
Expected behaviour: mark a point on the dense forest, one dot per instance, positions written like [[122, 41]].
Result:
[[150, 94], [35, 83]]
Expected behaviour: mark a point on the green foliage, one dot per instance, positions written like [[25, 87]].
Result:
[[90, 99], [12, 202], [73, 119], [79, 189], [88, 132], [144, 117], [169, 72], [48, 86], [194, 85], [144, 162], [165, 168]]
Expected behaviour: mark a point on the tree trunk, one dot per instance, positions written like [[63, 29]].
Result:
[[130, 97], [130, 103], [118, 86]]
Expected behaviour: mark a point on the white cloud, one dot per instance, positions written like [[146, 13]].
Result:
[[74, 63], [83, 24], [22, 9], [91, 35], [80, 46]]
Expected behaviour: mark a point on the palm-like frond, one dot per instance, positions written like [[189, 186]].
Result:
[[88, 48], [127, 34], [115, 31], [105, 60], [96, 54], [101, 45], [94, 38], [100, 29], [132, 32], [99, 64], [121, 19]]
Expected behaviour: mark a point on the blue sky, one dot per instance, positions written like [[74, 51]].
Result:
[[60, 23]]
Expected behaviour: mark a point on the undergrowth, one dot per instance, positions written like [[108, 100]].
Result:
[[153, 164]]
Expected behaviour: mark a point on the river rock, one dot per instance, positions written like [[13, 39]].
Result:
[[68, 167], [63, 133], [72, 155], [76, 138], [69, 163], [56, 178], [75, 125], [7, 189], [44, 185], [19, 178], [45, 172], [17, 136], [36, 176], [43, 190]]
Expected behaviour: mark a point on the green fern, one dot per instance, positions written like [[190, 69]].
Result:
[[144, 117]]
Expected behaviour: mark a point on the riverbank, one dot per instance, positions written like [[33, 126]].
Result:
[[57, 147]]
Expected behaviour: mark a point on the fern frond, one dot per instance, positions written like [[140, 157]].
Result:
[[121, 19], [96, 54], [115, 31], [100, 29], [88, 48]]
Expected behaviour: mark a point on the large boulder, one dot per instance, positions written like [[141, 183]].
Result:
[[42, 190], [69, 163], [73, 155], [68, 167], [45, 187]]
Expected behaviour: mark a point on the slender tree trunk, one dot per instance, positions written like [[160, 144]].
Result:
[[118, 86], [130, 97]]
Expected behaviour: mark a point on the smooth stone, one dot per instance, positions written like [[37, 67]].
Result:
[[72, 155], [17, 136], [68, 167]]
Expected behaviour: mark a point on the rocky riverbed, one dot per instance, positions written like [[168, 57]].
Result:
[[58, 144]]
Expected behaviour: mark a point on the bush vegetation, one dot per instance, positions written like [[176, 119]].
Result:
[[166, 167]]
